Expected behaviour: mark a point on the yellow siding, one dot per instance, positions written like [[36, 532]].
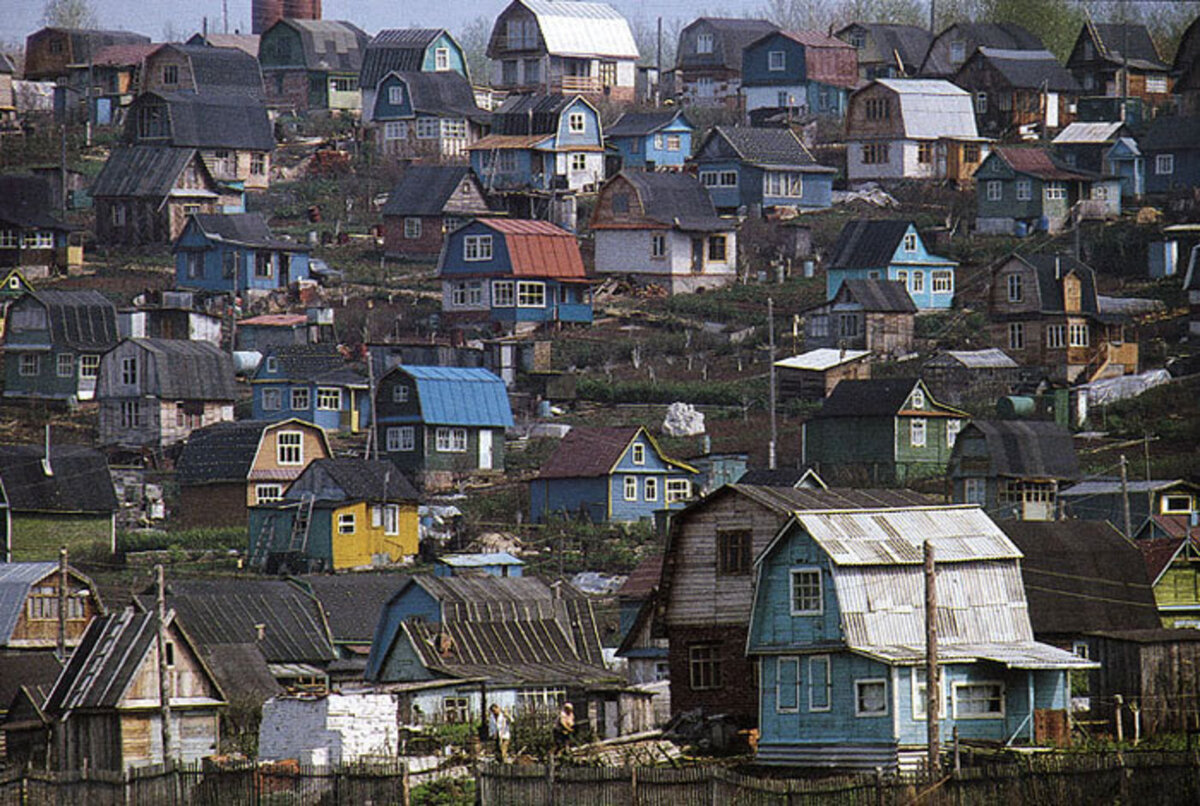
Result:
[[369, 543]]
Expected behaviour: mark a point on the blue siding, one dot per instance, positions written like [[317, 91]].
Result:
[[384, 108], [569, 497], [528, 162], [816, 188], [457, 63], [638, 150], [590, 136], [915, 267], [213, 277], [1186, 173], [328, 419], [775, 626], [755, 67]]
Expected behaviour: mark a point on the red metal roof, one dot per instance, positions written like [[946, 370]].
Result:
[[642, 581], [275, 320], [1037, 162], [540, 249], [123, 55], [827, 59]]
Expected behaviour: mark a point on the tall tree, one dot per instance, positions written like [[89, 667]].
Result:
[[69, 14], [1056, 23], [473, 39]]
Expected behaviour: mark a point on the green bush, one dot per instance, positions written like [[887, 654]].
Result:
[[214, 539], [711, 393], [445, 792]]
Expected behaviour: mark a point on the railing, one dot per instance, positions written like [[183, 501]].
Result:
[[581, 84]]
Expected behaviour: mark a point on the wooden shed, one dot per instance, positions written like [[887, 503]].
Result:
[[812, 375]]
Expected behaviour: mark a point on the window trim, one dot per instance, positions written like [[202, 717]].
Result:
[[806, 570], [638, 453], [1167, 509], [713, 661], [529, 291], [449, 439], [283, 452], [504, 294], [918, 425], [779, 663], [477, 248], [347, 523], [261, 490], [576, 123], [272, 398], [330, 393], [629, 488], [916, 686], [965, 684], [776, 61], [397, 437], [650, 488], [736, 545], [870, 681]]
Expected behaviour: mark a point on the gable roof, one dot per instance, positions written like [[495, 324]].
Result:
[[908, 42], [1082, 576], [1028, 448], [643, 579], [352, 602], [190, 370], [532, 113], [875, 397], [309, 362], [27, 202], [838, 68], [32, 670], [933, 108], [1039, 162], [335, 46], [442, 93], [80, 482], [1051, 269], [16, 581], [220, 452], [81, 320], [396, 50], [466, 396], [424, 190], [212, 120], [786, 500], [732, 37], [676, 199], [243, 229], [539, 249], [581, 29], [637, 124], [1001, 35], [141, 171], [358, 480], [1159, 552], [1027, 69], [769, 147], [246, 42], [880, 296], [868, 243], [221, 70], [591, 451], [1117, 41], [987, 358]]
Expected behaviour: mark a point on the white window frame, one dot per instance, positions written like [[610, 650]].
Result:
[[395, 95], [1056, 337], [29, 365], [780, 662], [412, 228], [395, 129], [329, 398], [1015, 284], [451, 440], [347, 523], [918, 432], [916, 282], [995, 190], [704, 43], [272, 399], [674, 142], [870, 681], [300, 399], [64, 365], [1164, 164], [1168, 508], [577, 123], [807, 570], [943, 281], [531, 294], [1055, 191], [918, 694], [89, 365], [650, 488], [630, 488], [776, 61], [477, 248], [975, 490], [1024, 189], [917, 400], [289, 448], [441, 59], [638, 453], [429, 128], [678, 490], [828, 706], [504, 294], [973, 684], [784, 184], [577, 162], [1077, 334], [1156, 84], [401, 438], [399, 393], [265, 493], [952, 429]]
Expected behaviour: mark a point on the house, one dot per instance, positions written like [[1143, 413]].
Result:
[[1173, 568], [813, 374], [496, 564], [25, 680], [661, 229], [888, 430], [154, 392], [950, 49], [1186, 70], [757, 169], [169, 315], [236, 253], [32, 237], [99, 89], [889, 250], [201, 69], [337, 514], [244, 42], [886, 50], [29, 618], [229, 466], [837, 631], [534, 647], [541, 142], [609, 475], [50, 52], [144, 194], [705, 594], [1023, 189], [407, 50], [907, 128], [958, 376], [426, 116], [577, 47], [436, 423], [428, 203], [312, 65], [1019, 94], [314, 383], [875, 315], [231, 132], [1171, 149], [803, 72], [513, 275], [1044, 312], [652, 140], [646, 657], [53, 341], [1121, 60], [1150, 503], [708, 59], [13, 286], [54, 498], [105, 704], [1104, 147], [1013, 468]]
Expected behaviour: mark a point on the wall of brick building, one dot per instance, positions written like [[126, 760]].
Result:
[[737, 696]]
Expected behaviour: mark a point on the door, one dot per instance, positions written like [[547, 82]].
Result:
[[697, 255], [485, 449]]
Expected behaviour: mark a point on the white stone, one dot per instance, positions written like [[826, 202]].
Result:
[[683, 421]]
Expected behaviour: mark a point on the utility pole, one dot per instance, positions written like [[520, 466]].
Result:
[[658, 73], [932, 683], [62, 605], [1125, 496], [164, 684], [771, 456]]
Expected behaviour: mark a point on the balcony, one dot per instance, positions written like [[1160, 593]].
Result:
[[580, 84]]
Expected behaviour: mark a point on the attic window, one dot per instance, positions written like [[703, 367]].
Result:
[[776, 60], [576, 123], [704, 43], [396, 95], [1176, 504], [918, 399], [958, 52], [170, 74], [910, 242], [441, 59], [272, 364]]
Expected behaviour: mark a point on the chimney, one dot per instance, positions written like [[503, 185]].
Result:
[[46, 467]]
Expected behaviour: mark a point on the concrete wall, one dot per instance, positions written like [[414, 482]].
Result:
[[335, 729]]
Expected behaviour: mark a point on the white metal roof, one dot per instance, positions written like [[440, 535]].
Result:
[[574, 28], [821, 359], [1077, 132], [934, 108], [991, 357]]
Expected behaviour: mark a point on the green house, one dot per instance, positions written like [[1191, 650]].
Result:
[[1173, 566], [882, 431]]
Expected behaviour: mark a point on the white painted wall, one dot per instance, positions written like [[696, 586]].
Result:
[[334, 729], [857, 170], [768, 97]]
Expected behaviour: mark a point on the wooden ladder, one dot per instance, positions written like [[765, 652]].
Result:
[[301, 523], [262, 543]]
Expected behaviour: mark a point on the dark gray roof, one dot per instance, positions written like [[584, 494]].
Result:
[[867, 243], [210, 121], [15, 581], [786, 500], [28, 202], [6, 65], [1003, 35], [104, 663], [732, 35], [530, 113], [395, 49], [244, 229], [1120, 40], [335, 46], [774, 147], [876, 397], [342, 480], [1050, 269], [227, 71], [241, 671], [1028, 448], [787, 477], [1171, 133], [678, 199], [911, 42], [191, 370], [308, 361], [31, 669], [1027, 69], [80, 484], [446, 93], [352, 602], [633, 124], [220, 452], [424, 190], [880, 296], [142, 171], [81, 320]]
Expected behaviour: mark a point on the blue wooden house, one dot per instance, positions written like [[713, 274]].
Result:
[[803, 72], [652, 139], [496, 564], [425, 50], [513, 274], [1172, 151], [314, 383], [609, 474], [889, 249], [426, 115], [235, 253], [838, 631], [751, 168]]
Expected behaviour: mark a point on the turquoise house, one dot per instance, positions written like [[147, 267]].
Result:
[[652, 139], [609, 474], [314, 383], [838, 631], [425, 50], [891, 250]]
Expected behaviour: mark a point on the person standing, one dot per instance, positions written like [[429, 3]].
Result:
[[564, 728], [501, 731]]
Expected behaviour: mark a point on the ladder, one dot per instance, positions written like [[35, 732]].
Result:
[[262, 543], [300, 524]]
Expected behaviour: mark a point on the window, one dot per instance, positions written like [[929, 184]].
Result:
[[346, 523], [704, 666], [503, 294], [716, 248], [980, 103], [299, 399], [9, 240], [704, 43], [1176, 504], [734, 552], [978, 700], [272, 399], [918, 694], [639, 453], [477, 247], [916, 432], [1164, 164], [678, 490], [916, 282], [42, 604], [262, 265], [170, 74], [902, 277], [674, 142], [995, 190], [441, 59], [343, 83], [917, 401], [395, 129], [412, 228], [468, 293], [129, 371], [38, 239], [787, 685], [89, 366], [578, 162], [531, 295], [820, 684], [952, 429], [1156, 84], [650, 488], [258, 164], [806, 592], [971, 152], [847, 325], [783, 183], [289, 448], [1016, 289], [870, 698], [533, 71], [1016, 336], [451, 440], [265, 493], [454, 130], [401, 438], [117, 214], [1078, 334], [607, 73], [329, 398], [1024, 189], [429, 128], [958, 52], [395, 95], [399, 393], [877, 108], [726, 179], [658, 245], [975, 491], [783, 98], [1055, 191], [65, 365], [874, 153], [576, 123], [925, 152], [1056, 336], [630, 488], [943, 281], [131, 413], [776, 60]]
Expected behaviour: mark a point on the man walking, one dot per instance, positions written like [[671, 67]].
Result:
[[501, 731]]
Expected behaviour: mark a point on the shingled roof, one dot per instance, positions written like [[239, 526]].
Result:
[[1050, 271], [221, 452], [1001, 35], [868, 243], [1118, 41], [675, 199], [1040, 162], [221, 70], [1171, 132], [141, 171], [312, 362], [358, 480], [80, 482], [446, 93], [352, 602], [244, 229], [185, 369], [588, 451], [213, 120], [1027, 69], [875, 397], [880, 296], [424, 190], [396, 50], [769, 147], [1028, 448], [732, 37], [909, 42]]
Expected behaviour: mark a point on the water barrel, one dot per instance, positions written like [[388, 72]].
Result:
[[1021, 229], [1013, 407]]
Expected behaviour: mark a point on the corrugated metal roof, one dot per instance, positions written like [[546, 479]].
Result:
[[505, 142], [467, 396], [477, 560], [573, 28], [988, 358], [15, 582], [1113, 487], [190, 370], [933, 108], [1087, 132], [539, 249], [822, 359]]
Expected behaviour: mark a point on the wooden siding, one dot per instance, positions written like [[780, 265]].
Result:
[[860, 127], [210, 505], [369, 545], [266, 467], [31, 633]]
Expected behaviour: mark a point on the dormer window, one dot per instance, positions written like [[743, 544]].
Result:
[[272, 364], [910, 242], [639, 453], [396, 95], [576, 123], [170, 74], [776, 60], [704, 43], [1015, 289], [918, 399]]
